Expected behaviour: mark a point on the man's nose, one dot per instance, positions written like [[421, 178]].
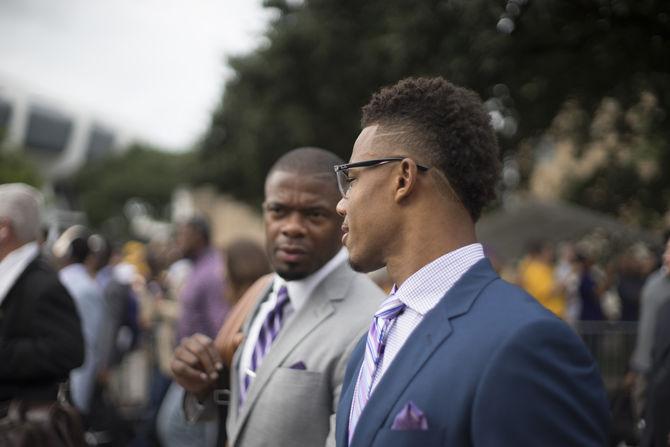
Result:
[[294, 225], [341, 207]]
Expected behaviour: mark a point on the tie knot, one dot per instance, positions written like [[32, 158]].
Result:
[[390, 308], [282, 296]]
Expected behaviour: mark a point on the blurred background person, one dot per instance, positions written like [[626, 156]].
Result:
[[119, 335], [40, 330], [246, 261], [590, 289], [656, 431], [158, 315], [161, 311], [121, 326], [567, 277], [202, 309], [655, 294], [536, 276], [202, 301], [77, 274], [632, 272]]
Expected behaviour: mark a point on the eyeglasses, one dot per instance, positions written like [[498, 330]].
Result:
[[342, 171]]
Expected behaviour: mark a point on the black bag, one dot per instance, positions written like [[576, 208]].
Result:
[[38, 424], [623, 428]]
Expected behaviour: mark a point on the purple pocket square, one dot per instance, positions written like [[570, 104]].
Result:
[[299, 365], [410, 418]]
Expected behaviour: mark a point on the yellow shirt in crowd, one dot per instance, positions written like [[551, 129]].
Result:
[[537, 278]]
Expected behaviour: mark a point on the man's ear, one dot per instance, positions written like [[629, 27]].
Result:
[[406, 178]]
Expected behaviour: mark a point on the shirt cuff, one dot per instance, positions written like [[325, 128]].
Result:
[[193, 408], [196, 410]]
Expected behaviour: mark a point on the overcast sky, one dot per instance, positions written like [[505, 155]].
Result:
[[152, 67]]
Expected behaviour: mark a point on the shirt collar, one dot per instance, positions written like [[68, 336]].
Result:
[[75, 269], [426, 287], [14, 264], [300, 290]]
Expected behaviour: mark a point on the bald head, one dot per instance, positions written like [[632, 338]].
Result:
[[302, 229], [20, 208], [309, 161]]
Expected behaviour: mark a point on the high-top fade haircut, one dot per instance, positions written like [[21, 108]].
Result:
[[448, 127], [311, 161]]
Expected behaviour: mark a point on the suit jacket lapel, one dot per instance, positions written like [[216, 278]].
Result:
[[19, 279], [347, 395], [426, 338], [317, 308], [234, 380]]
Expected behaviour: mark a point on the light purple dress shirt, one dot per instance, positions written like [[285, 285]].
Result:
[[202, 301], [421, 292]]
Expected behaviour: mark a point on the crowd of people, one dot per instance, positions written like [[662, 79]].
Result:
[[294, 344], [631, 287], [111, 315], [572, 282]]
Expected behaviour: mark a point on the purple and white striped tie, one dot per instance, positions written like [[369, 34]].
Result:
[[266, 336], [374, 352]]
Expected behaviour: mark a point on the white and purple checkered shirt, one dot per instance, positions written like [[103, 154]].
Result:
[[421, 292]]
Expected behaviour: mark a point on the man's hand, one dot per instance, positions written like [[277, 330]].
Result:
[[629, 380], [196, 365]]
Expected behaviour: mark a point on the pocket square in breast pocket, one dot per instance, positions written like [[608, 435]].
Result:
[[298, 365], [410, 418]]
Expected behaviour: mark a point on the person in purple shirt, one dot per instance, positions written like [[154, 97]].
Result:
[[202, 301], [203, 308]]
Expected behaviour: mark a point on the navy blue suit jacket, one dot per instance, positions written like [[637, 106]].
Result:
[[488, 366]]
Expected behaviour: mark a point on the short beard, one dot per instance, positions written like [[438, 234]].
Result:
[[292, 276]]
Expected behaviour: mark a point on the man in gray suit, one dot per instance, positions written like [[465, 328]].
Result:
[[286, 375]]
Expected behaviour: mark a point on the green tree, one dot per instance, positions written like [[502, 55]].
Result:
[[102, 188], [631, 181], [17, 167], [323, 58]]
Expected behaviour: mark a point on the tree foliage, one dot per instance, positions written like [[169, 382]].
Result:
[[322, 59], [103, 188], [15, 166], [630, 180]]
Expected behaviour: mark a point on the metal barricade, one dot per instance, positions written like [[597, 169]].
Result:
[[611, 343]]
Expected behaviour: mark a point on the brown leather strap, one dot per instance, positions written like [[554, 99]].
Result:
[[227, 340]]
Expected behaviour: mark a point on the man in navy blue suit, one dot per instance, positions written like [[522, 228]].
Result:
[[455, 356]]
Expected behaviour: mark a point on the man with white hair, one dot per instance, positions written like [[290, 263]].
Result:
[[40, 330]]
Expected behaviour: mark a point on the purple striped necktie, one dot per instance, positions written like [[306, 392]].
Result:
[[374, 352], [266, 336]]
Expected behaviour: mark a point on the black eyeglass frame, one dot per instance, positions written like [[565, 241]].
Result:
[[342, 169]]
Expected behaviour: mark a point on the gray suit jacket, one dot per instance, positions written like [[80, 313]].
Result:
[[296, 407]]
